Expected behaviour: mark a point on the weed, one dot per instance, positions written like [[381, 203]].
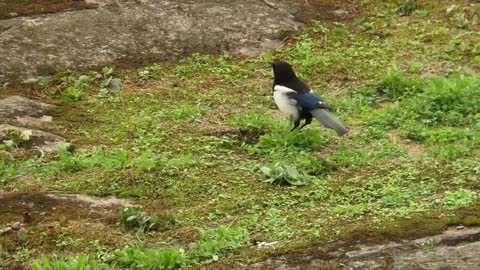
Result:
[[275, 226], [128, 257], [395, 85], [445, 114], [192, 66], [476, 60], [148, 73], [80, 262], [113, 85], [75, 92], [44, 82], [103, 254], [458, 199], [257, 120], [319, 28], [66, 241], [415, 68], [212, 245], [7, 170], [3, 256], [217, 243], [156, 259], [15, 137], [228, 71], [67, 161], [429, 244], [133, 216], [407, 7], [304, 57], [306, 140], [109, 83], [284, 174], [186, 113], [147, 161], [23, 254], [72, 94], [350, 210], [117, 160]]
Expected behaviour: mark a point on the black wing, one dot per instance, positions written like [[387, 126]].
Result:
[[310, 101]]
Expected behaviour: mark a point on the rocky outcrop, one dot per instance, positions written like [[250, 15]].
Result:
[[135, 31], [456, 248], [38, 139], [15, 106], [29, 115]]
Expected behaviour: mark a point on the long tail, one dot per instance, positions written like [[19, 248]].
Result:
[[329, 120]]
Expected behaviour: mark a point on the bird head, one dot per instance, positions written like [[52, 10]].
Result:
[[282, 71]]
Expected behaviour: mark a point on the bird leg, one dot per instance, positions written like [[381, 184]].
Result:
[[295, 125], [308, 121]]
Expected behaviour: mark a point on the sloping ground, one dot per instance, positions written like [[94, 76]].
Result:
[[188, 138]]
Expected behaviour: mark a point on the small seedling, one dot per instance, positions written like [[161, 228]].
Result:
[[217, 243], [133, 216], [407, 7], [15, 137], [425, 245], [72, 94], [458, 199], [136, 259], [110, 84], [23, 254], [44, 82], [284, 175], [7, 170], [80, 262]]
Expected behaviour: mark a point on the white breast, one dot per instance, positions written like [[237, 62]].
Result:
[[285, 104]]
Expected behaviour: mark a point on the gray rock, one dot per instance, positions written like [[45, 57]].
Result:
[[46, 208], [453, 249], [17, 106], [41, 140], [92, 201], [33, 121], [128, 31], [464, 256]]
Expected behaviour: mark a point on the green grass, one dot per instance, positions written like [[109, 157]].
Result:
[[213, 245], [444, 114], [189, 138]]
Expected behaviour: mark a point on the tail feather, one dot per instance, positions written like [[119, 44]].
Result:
[[329, 120]]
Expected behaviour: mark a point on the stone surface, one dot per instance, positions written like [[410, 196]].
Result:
[[25, 111], [456, 248], [40, 140], [86, 34], [17, 106], [132, 31], [92, 201], [33, 121], [37, 207]]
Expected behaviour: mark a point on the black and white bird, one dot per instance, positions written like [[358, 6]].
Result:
[[295, 99]]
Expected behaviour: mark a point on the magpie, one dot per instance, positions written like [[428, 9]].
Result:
[[295, 99]]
